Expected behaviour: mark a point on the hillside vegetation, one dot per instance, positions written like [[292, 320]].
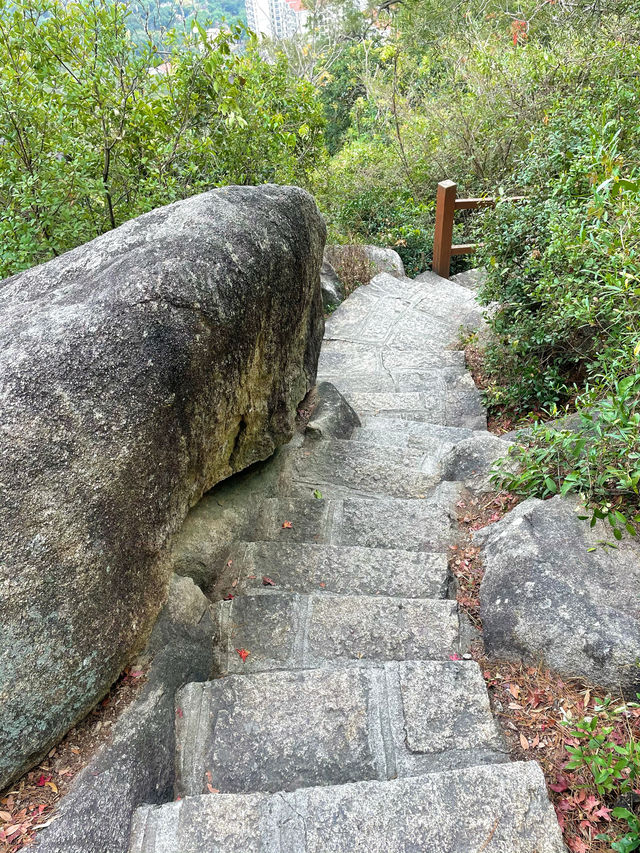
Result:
[[369, 111]]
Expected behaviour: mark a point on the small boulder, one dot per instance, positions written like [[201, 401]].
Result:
[[332, 289], [332, 416], [385, 260], [470, 461], [362, 263], [553, 592]]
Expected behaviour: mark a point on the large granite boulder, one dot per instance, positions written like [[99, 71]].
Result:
[[553, 592], [137, 764], [136, 372]]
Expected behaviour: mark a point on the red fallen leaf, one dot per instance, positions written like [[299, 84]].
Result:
[[455, 657], [561, 784], [180, 712], [604, 813], [228, 597], [136, 673], [244, 654], [577, 845], [590, 803], [322, 584], [42, 781], [267, 581], [177, 800], [287, 525]]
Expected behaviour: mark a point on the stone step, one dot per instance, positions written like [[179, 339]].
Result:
[[340, 357], [295, 567], [434, 439], [341, 467], [284, 630], [500, 808], [229, 514], [463, 455], [427, 524], [280, 731], [375, 382], [460, 406]]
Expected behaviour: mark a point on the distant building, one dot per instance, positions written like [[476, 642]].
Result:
[[276, 18]]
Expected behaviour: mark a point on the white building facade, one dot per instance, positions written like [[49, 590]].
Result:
[[276, 18]]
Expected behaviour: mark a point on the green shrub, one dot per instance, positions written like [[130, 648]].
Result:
[[91, 134], [609, 753]]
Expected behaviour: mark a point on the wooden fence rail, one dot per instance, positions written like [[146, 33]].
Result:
[[447, 202]]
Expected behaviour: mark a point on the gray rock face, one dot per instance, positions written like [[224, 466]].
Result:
[[137, 765], [381, 260], [503, 807], [332, 416], [385, 260], [137, 371], [471, 460], [546, 596], [332, 289]]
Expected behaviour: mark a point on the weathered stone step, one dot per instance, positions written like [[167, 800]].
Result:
[[433, 439], [425, 380], [224, 516], [459, 406], [340, 357], [295, 567], [427, 524], [381, 319], [464, 455], [500, 808], [340, 468], [285, 730], [283, 630]]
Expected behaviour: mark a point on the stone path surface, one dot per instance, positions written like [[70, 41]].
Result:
[[354, 723]]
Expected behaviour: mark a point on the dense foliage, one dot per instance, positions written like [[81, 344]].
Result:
[[370, 111], [91, 133]]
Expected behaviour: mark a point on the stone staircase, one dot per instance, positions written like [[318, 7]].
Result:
[[354, 723]]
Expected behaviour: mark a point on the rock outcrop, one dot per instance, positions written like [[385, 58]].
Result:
[[373, 259], [136, 372], [332, 289], [553, 592]]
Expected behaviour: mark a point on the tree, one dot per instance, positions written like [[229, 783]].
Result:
[[96, 129]]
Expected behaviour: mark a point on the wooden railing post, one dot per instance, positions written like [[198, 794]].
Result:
[[445, 207]]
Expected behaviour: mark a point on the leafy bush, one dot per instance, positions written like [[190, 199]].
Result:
[[609, 752], [599, 459], [95, 130]]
